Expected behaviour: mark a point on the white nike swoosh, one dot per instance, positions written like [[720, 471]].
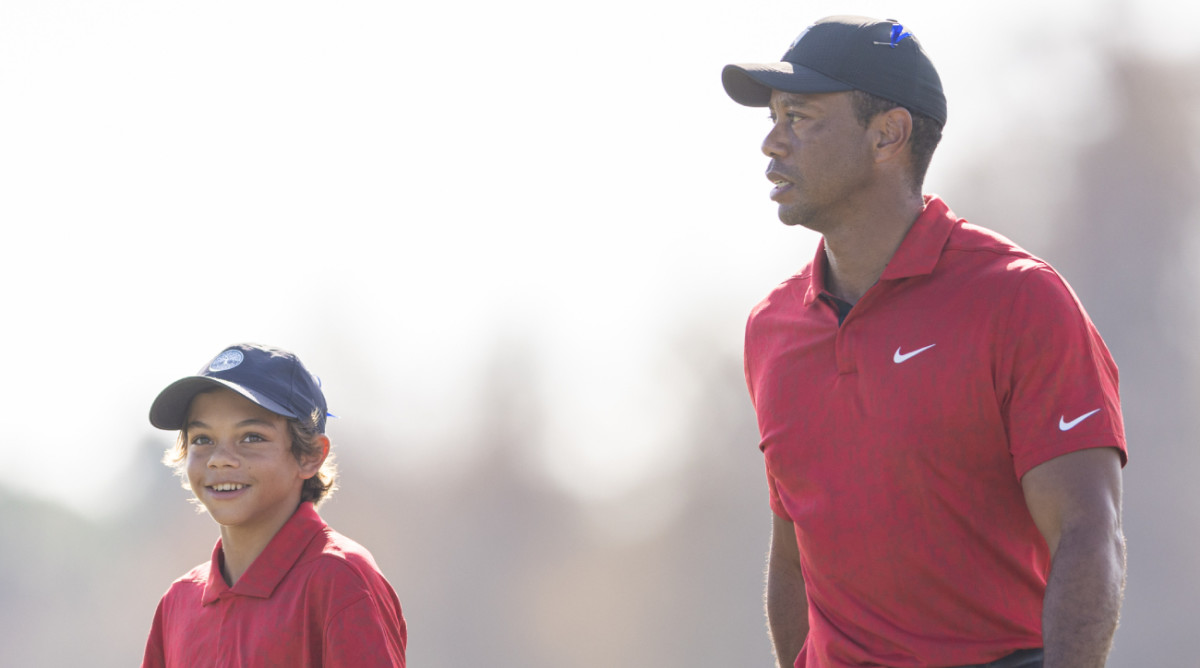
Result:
[[1063, 425], [898, 357]]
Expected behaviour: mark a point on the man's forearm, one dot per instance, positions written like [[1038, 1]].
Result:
[[787, 600], [787, 612], [1083, 600]]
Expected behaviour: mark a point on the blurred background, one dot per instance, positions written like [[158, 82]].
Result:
[[519, 241]]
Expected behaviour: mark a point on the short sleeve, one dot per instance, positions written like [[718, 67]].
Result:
[[776, 502], [363, 634], [1057, 381], [155, 654]]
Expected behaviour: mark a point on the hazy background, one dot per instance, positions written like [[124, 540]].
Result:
[[518, 241]]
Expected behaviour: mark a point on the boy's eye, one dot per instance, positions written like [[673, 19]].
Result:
[[253, 438], [201, 440]]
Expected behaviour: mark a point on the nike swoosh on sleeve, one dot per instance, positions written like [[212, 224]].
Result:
[[1063, 425]]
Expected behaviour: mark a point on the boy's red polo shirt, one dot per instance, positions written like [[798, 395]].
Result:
[[312, 598], [896, 442]]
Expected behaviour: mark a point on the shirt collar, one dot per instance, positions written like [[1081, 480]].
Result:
[[269, 569], [917, 255], [922, 247]]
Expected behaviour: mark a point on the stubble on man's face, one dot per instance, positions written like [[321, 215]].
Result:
[[818, 156]]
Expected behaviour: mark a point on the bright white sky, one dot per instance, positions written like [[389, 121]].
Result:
[[392, 192]]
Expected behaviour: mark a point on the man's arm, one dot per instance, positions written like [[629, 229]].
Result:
[[1075, 501], [787, 602]]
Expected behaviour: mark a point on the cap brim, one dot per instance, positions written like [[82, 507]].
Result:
[[751, 84], [169, 409]]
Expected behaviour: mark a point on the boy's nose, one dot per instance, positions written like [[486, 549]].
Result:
[[223, 455]]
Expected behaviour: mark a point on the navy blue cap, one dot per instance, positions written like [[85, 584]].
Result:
[[272, 378], [840, 53]]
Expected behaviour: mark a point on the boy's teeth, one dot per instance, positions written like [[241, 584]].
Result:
[[227, 487]]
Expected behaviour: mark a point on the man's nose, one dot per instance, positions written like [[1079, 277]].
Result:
[[773, 145]]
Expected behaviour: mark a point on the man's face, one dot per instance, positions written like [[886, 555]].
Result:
[[820, 157]]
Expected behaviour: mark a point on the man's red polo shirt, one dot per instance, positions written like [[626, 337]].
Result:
[[896, 442], [312, 598]]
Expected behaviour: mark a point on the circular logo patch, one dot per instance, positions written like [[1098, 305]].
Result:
[[226, 360]]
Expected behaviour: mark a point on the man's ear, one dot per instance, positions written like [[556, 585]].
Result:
[[893, 129], [310, 464]]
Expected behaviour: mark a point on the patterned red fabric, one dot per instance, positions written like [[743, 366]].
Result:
[[896, 442], [312, 598]]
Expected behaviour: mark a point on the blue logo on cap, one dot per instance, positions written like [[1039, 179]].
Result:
[[898, 36], [226, 360]]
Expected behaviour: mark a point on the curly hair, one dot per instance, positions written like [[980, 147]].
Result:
[[304, 435], [926, 132], [304, 442]]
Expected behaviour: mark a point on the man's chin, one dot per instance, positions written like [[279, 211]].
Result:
[[792, 217], [800, 216]]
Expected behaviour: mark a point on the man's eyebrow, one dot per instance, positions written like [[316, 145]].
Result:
[[796, 99]]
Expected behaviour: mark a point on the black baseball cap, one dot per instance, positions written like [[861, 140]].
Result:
[[272, 378], [846, 53]]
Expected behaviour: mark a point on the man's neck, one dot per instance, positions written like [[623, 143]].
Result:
[[859, 250]]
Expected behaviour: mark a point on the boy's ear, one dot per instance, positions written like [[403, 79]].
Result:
[[311, 464]]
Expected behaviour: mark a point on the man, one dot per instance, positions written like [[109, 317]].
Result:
[[940, 420]]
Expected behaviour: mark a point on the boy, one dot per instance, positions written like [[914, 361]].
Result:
[[282, 588]]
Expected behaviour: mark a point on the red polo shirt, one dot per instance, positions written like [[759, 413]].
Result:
[[896, 442], [312, 598]]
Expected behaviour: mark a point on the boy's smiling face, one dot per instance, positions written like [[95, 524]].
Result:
[[240, 464]]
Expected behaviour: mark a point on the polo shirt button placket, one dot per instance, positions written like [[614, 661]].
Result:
[[844, 346], [841, 340], [225, 601]]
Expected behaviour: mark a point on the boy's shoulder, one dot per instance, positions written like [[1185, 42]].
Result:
[[333, 555], [329, 561], [188, 589], [197, 576], [306, 554]]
